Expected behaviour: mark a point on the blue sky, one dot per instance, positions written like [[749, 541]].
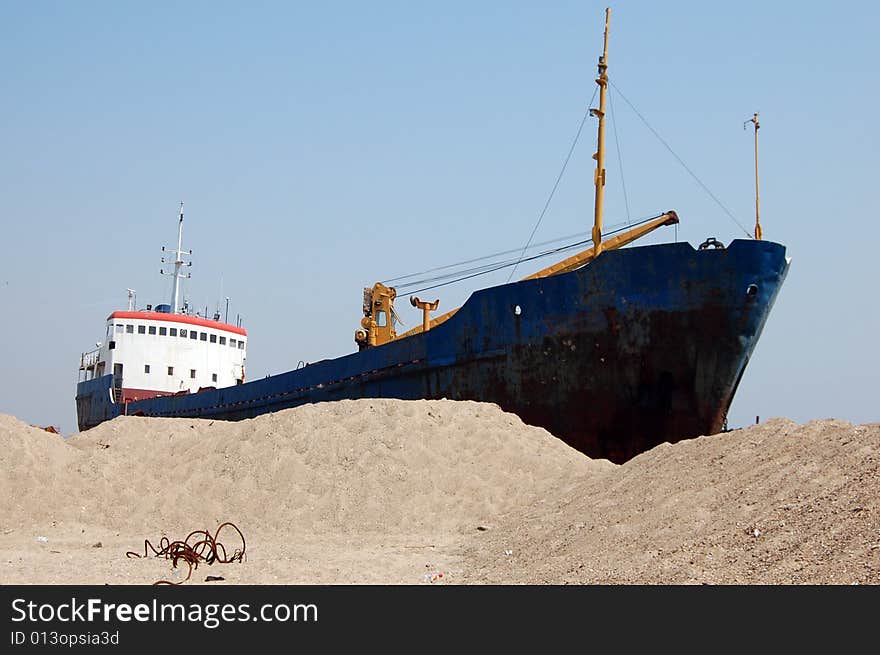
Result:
[[320, 147]]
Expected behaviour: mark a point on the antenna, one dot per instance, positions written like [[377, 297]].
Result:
[[132, 299], [178, 264]]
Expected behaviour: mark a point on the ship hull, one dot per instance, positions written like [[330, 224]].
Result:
[[644, 345]]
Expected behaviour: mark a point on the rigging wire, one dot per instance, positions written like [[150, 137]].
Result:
[[496, 266], [619, 157], [465, 274], [477, 259], [680, 161], [556, 184], [490, 266]]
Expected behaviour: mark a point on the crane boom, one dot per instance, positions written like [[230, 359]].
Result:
[[588, 255], [575, 261]]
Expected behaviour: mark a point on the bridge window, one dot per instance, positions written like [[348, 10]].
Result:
[[172, 332], [213, 377], [119, 328], [129, 329], [192, 373], [170, 370], [163, 331], [222, 341], [193, 334], [146, 368], [152, 329], [183, 333], [213, 338], [241, 345], [232, 343], [204, 336], [142, 329]]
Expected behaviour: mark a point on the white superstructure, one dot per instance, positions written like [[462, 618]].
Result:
[[167, 351]]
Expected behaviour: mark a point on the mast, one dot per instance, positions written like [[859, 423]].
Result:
[[758, 231], [178, 264], [599, 175]]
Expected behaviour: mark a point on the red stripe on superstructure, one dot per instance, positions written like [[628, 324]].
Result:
[[180, 318], [132, 395]]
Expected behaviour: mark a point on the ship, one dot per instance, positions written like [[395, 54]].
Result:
[[614, 349]]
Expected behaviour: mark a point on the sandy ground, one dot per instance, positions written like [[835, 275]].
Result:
[[400, 492]]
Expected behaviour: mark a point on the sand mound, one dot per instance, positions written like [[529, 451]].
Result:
[[36, 469], [774, 503], [384, 491], [356, 466]]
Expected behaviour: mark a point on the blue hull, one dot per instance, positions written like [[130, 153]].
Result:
[[644, 345]]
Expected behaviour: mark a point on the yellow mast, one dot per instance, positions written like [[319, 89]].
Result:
[[758, 232], [599, 175]]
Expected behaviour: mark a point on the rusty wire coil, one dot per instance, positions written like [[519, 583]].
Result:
[[199, 546]]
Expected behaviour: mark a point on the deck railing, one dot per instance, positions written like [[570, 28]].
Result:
[[89, 360]]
